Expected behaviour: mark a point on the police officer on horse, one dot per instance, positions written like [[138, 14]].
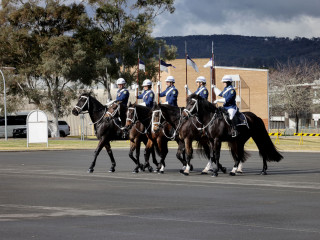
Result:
[[202, 90], [229, 101], [147, 95], [171, 92], [122, 93]]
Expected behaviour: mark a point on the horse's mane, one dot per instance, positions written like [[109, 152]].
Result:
[[142, 111], [88, 94], [203, 103]]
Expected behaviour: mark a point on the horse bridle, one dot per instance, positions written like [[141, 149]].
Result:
[[112, 114], [160, 124], [195, 105], [81, 108], [133, 119], [153, 122]]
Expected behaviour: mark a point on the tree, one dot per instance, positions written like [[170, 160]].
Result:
[[291, 89], [39, 41], [125, 30]]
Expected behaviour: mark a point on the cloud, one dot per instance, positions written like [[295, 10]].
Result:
[[279, 18]]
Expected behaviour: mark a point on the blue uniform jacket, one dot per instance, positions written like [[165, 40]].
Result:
[[171, 94], [230, 95], [123, 95], [202, 92], [147, 97]]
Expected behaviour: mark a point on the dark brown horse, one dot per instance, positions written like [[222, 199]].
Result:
[[137, 134], [158, 139], [186, 131], [106, 127], [217, 129]]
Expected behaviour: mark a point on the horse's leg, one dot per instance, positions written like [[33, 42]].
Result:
[[181, 155], [132, 148], [110, 153], [189, 153], [139, 165], [96, 153], [149, 149], [217, 149], [265, 167], [239, 169], [163, 149], [154, 159], [211, 160]]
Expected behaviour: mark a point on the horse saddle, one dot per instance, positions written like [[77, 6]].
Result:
[[240, 119]]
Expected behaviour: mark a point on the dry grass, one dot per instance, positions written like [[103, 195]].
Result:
[[284, 144]]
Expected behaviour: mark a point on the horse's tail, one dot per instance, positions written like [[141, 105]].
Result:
[[260, 136], [203, 149], [237, 151]]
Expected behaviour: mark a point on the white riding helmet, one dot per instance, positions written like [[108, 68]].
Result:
[[170, 79], [201, 79], [226, 78], [146, 82], [121, 81]]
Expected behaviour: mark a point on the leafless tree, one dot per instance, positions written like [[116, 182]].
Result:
[[290, 88]]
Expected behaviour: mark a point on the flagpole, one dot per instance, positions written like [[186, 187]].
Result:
[[213, 80], [186, 68], [137, 90], [159, 74]]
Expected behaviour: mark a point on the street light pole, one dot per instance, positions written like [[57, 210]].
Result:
[[5, 103]]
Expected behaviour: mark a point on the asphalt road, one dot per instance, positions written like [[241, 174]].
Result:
[[49, 195]]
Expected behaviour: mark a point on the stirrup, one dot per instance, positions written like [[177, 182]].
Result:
[[234, 133]]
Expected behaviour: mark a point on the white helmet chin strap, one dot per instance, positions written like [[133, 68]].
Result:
[[195, 105], [79, 109]]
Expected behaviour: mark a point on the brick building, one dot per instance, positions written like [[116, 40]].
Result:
[[251, 84]]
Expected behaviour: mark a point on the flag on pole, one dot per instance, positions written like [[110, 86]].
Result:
[[142, 66], [208, 64], [192, 63], [164, 66]]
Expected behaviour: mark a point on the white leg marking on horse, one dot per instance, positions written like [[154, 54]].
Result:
[[234, 170], [162, 168], [240, 167], [207, 168]]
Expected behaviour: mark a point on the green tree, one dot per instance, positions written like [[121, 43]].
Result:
[[51, 63], [125, 29]]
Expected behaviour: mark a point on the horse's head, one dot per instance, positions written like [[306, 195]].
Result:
[[114, 109], [82, 105], [192, 105], [131, 116], [157, 117]]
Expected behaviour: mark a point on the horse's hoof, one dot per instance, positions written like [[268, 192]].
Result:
[[141, 167], [215, 174], [161, 172], [191, 167], [150, 169], [90, 170], [204, 173], [185, 173], [263, 173], [239, 172], [224, 170], [181, 171], [232, 174], [112, 170]]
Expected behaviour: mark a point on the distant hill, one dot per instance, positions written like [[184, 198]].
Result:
[[245, 51]]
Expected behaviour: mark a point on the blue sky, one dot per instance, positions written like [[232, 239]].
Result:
[[280, 18]]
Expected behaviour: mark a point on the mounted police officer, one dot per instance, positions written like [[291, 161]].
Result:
[[147, 95], [171, 92], [202, 90], [229, 100], [122, 93]]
